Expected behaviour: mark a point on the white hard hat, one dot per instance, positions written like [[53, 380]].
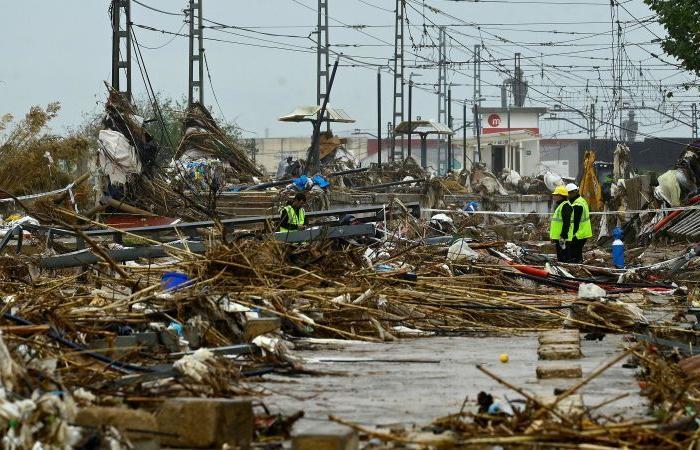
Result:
[[571, 187]]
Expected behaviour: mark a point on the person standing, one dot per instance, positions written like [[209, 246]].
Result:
[[560, 223], [293, 216], [580, 223]]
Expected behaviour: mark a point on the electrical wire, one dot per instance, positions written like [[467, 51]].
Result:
[[211, 86]]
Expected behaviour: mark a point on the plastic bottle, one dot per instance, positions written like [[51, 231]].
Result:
[[618, 249]]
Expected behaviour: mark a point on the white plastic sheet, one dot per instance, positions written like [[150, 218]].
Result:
[[117, 157]]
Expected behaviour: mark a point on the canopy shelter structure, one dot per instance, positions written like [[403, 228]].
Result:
[[423, 128], [310, 114]]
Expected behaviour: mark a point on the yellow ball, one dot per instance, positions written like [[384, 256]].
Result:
[[504, 357]]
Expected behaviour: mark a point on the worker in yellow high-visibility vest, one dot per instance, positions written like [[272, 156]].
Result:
[[293, 216], [581, 228], [559, 227]]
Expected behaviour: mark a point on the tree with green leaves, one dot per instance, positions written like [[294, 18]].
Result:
[[681, 18]]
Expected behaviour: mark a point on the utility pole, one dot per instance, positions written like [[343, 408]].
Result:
[[322, 55], [464, 135], [398, 73], [449, 136], [196, 79], [410, 114], [442, 92], [379, 118], [694, 121], [477, 121], [121, 39], [477, 80], [591, 125]]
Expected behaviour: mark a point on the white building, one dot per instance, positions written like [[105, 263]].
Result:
[[510, 137]]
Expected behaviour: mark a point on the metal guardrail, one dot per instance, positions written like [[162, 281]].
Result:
[[86, 257], [190, 228]]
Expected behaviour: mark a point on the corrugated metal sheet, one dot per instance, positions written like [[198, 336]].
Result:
[[686, 226]]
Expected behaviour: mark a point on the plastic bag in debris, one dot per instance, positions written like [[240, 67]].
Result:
[[409, 178], [194, 365], [441, 218], [460, 250], [635, 312], [514, 250], [590, 290], [117, 157], [552, 180], [302, 183], [471, 207], [513, 178], [668, 190], [686, 180], [320, 181]]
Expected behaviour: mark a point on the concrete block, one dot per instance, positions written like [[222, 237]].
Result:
[[206, 422], [559, 351], [560, 337], [261, 325], [140, 427], [549, 371], [327, 436]]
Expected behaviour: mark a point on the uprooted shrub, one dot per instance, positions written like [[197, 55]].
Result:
[[34, 160]]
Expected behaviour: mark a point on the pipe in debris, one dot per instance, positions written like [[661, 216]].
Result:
[[393, 183], [541, 275], [347, 172], [127, 208], [534, 271]]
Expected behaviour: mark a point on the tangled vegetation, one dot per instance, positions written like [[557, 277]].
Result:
[[35, 160]]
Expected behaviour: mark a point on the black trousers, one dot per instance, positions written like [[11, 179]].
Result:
[[562, 253], [575, 250]]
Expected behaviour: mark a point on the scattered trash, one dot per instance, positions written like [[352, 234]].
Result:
[[590, 290]]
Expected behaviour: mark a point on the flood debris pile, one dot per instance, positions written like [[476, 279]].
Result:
[[204, 142], [377, 177], [188, 292]]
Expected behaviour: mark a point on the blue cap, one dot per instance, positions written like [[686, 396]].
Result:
[[617, 233]]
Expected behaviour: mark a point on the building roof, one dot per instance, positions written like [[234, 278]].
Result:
[[309, 113]]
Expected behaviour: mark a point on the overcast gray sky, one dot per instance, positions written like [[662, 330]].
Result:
[[60, 50]]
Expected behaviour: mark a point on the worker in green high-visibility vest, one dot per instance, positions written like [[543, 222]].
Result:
[[559, 225], [293, 216], [580, 222]]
